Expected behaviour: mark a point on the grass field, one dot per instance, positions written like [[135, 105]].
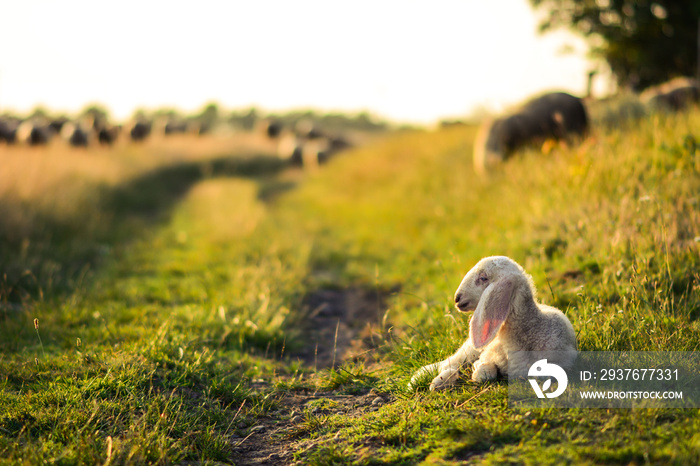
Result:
[[207, 304]]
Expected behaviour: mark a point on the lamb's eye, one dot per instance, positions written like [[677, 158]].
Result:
[[482, 279]]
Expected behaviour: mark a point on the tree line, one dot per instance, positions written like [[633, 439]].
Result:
[[644, 42]]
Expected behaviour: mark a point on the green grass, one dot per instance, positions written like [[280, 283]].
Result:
[[170, 316]]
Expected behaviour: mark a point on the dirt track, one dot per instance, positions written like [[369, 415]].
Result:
[[342, 325]]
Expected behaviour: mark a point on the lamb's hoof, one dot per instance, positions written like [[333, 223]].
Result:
[[445, 379], [483, 372]]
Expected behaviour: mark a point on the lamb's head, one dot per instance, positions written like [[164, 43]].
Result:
[[490, 288]]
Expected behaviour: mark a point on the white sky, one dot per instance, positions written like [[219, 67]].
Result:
[[410, 61]]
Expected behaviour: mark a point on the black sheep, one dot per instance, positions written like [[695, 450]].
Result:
[[551, 116]]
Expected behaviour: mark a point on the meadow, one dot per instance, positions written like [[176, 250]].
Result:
[[187, 302]]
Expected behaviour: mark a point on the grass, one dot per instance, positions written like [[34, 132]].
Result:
[[172, 293]]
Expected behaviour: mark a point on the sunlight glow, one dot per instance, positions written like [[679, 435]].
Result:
[[413, 61]]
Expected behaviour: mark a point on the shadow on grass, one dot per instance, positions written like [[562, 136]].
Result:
[[45, 253], [155, 192]]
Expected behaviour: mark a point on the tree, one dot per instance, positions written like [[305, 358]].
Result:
[[39, 113], [244, 119], [210, 113], [644, 42], [208, 117], [95, 112]]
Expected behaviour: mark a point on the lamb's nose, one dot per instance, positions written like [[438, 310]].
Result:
[[458, 297]]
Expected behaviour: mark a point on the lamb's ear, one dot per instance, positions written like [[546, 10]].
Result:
[[491, 312]]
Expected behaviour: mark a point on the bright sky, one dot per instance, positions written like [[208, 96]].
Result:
[[410, 61]]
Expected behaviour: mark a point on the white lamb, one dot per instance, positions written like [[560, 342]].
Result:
[[507, 326]]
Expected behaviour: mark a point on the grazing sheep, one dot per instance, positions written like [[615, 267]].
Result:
[[289, 147], [507, 326], [75, 135], [107, 134], [175, 127], [676, 94], [307, 129], [34, 132], [615, 111], [338, 143], [554, 115], [140, 130], [56, 124], [273, 128], [308, 152], [270, 128], [297, 157], [8, 129], [314, 152]]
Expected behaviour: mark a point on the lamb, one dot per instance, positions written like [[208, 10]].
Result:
[[550, 116], [674, 95], [508, 325]]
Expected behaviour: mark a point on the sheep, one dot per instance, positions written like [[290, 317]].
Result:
[[273, 128], [108, 134], [550, 116], [314, 152], [56, 124], [307, 129], [289, 147], [140, 130], [34, 132], [508, 325], [338, 143], [306, 151], [74, 134], [676, 94], [173, 126], [8, 129], [270, 128]]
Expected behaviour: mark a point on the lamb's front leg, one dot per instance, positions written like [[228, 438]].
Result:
[[447, 370], [490, 362]]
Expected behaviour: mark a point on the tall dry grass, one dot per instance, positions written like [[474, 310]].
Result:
[[61, 207]]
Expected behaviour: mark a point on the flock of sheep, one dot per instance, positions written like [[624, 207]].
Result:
[[86, 131], [304, 143], [555, 116], [559, 115]]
